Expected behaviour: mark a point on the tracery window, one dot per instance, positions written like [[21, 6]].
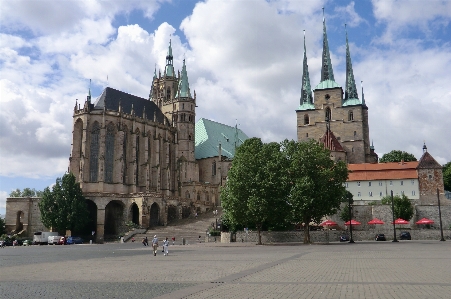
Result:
[[124, 154], [137, 159], [328, 114], [109, 153], [306, 119], [94, 155]]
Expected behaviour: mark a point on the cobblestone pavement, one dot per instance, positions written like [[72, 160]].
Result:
[[408, 269]]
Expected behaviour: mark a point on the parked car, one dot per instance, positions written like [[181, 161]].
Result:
[[61, 241], [405, 236], [380, 237], [344, 238], [74, 240]]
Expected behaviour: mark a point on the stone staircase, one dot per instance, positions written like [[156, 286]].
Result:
[[190, 229]]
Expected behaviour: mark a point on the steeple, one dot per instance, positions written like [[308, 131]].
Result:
[[306, 101], [327, 72], [169, 69], [183, 88], [155, 72], [88, 98], [351, 89], [425, 148]]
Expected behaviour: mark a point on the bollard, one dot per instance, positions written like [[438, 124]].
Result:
[[90, 241]]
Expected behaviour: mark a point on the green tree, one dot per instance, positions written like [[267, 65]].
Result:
[[315, 182], [402, 205], [348, 199], [447, 176], [397, 156], [2, 226], [26, 192], [64, 207], [254, 194]]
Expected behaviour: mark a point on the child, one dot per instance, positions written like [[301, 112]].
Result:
[[165, 247]]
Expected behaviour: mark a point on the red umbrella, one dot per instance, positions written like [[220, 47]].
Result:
[[376, 221], [400, 221], [353, 222], [425, 221], [328, 223]]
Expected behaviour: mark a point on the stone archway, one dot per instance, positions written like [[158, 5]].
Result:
[[133, 213], [19, 221], [114, 212], [186, 211], [154, 215], [172, 213]]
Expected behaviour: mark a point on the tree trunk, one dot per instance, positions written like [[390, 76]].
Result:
[[259, 234], [306, 234]]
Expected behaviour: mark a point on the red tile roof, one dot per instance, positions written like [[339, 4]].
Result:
[[383, 171]]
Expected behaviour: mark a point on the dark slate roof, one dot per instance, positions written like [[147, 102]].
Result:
[[428, 162], [111, 97]]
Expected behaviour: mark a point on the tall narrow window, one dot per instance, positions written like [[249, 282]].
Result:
[[351, 116], [328, 114], [94, 156], [213, 168], [306, 119], [168, 94], [109, 153], [124, 155], [137, 159]]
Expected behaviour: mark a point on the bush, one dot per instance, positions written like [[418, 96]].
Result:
[[214, 233]]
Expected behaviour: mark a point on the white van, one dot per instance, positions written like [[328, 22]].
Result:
[[40, 238], [53, 240]]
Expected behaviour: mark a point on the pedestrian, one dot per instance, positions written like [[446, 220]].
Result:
[[173, 240], [165, 247], [133, 239], [155, 245], [199, 239], [147, 241], [195, 215], [144, 241]]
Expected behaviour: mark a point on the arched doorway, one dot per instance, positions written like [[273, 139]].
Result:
[[19, 221], [154, 214], [114, 212], [186, 211], [134, 214], [91, 225], [172, 213]]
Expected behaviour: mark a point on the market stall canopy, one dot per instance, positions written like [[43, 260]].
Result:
[[353, 222], [376, 221], [401, 221], [425, 221], [328, 223]]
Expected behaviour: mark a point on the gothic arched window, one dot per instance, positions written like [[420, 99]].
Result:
[[198, 196], [109, 153], [213, 168], [187, 194], [94, 155], [168, 94], [350, 115], [124, 154], [306, 119], [137, 159], [328, 114]]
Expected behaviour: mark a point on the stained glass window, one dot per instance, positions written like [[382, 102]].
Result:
[[94, 156], [109, 153]]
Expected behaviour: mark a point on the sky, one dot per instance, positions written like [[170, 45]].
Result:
[[244, 60]]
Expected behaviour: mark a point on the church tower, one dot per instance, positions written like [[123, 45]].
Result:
[[328, 111]]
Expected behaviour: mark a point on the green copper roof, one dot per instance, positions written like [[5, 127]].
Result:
[[327, 73], [183, 90], [306, 102], [169, 69], [351, 89], [208, 136], [351, 102], [327, 84]]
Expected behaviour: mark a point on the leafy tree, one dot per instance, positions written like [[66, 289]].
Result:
[[64, 207], [2, 226], [397, 156], [447, 176], [402, 205], [254, 194], [315, 182], [26, 192], [344, 214]]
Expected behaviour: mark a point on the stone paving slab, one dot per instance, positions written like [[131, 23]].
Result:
[[411, 269]]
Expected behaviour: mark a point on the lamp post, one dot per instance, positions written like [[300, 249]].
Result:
[[215, 212], [440, 216], [393, 213], [350, 220]]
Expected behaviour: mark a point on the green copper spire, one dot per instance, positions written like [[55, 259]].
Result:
[[155, 72], [327, 72], [351, 89], [363, 96], [89, 91], [306, 101], [183, 90], [169, 69]]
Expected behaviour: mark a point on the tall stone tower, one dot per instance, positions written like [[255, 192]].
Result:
[[173, 96], [328, 111]]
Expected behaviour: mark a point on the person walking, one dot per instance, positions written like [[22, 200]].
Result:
[[166, 246], [173, 240], [147, 241], [155, 245]]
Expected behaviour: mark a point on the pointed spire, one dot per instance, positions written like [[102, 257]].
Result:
[[327, 72], [183, 89], [363, 95], [169, 69], [89, 92], [372, 146], [425, 149], [306, 93], [155, 72], [351, 89]]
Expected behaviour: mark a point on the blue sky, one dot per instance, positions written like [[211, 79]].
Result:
[[244, 60]]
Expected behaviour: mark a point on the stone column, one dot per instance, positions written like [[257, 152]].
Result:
[[100, 229]]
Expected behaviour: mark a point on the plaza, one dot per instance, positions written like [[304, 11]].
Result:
[[408, 269]]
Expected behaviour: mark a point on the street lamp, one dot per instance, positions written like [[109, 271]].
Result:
[[350, 220], [440, 216], [393, 213], [215, 212]]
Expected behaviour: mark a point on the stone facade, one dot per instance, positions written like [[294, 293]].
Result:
[[23, 214]]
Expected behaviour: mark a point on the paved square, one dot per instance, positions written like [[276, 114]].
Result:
[[408, 269]]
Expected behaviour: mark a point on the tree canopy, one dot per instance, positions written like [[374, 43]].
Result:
[[447, 176], [397, 156], [64, 207], [402, 205], [2, 226], [26, 192], [287, 182]]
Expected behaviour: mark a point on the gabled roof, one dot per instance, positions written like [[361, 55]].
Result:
[[383, 171], [209, 134], [428, 162], [331, 142], [110, 99]]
